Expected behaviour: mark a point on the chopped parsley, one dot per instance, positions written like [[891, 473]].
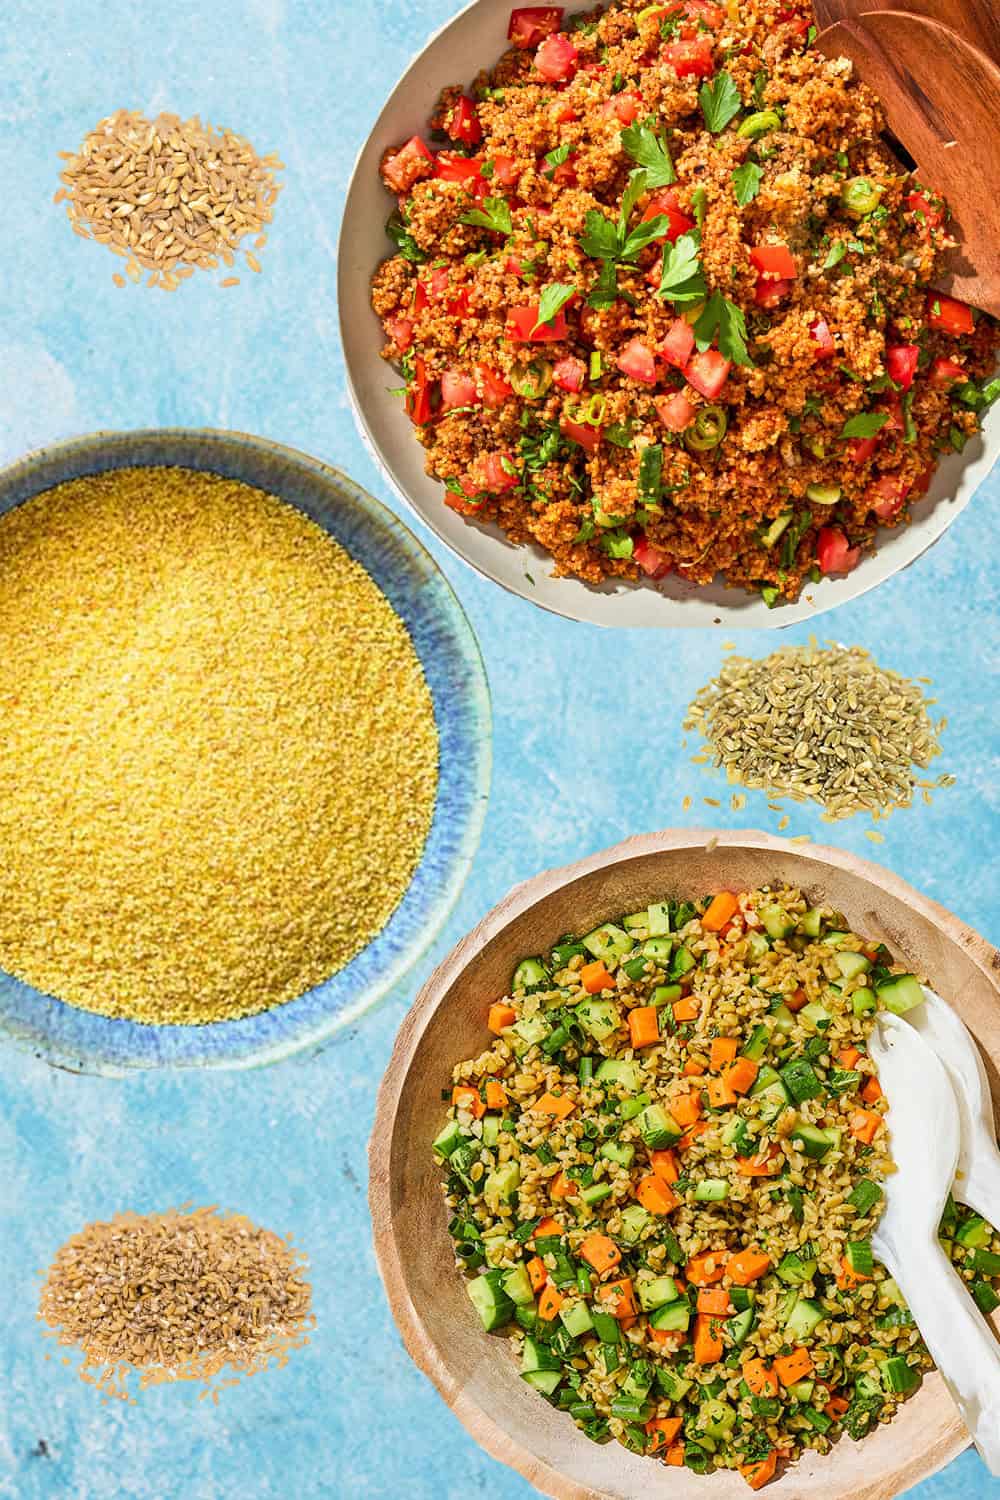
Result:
[[494, 214], [866, 424], [403, 240], [720, 101], [649, 150], [746, 182], [723, 318], [552, 300], [682, 280]]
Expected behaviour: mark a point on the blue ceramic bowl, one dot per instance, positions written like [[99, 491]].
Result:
[[443, 639]]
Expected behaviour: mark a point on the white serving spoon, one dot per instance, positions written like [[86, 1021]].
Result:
[[925, 1130], [978, 1180]]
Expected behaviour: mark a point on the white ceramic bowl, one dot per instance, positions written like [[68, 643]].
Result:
[[475, 39]]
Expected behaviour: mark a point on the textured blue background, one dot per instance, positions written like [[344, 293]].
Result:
[[587, 751]]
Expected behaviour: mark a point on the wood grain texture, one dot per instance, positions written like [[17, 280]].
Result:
[[978, 21], [474, 1372], [941, 97]]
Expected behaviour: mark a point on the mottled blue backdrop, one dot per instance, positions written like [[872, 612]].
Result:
[[587, 751]]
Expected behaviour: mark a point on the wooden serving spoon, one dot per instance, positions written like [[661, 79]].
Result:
[[941, 97], [975, 20]]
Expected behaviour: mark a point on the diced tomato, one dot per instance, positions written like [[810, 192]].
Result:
[[463, 123], [691, 57], [922, 483], [512, 266], [402, 168], [946, 372], [820, 333], [638, 361], [885, 496], [452, 168], [400, 330], [532, 23], [948, 314], [420, 299], [771, 293], [464, 506], [678, 346], [918, 203], [563, 114], [524, 328], [901, 363], [860, 450], [565, 175], [505, 170], [652, 561], [708, 373], [438, 289], [495, 389], [569, 374], [798, 23], [556, 58], [496, 472], [457, 389], [588, 437], [833, 553], [704, 10], [893, 409], [622, 107], [419, 398], [675, 412], [666, 204], [774, 262]]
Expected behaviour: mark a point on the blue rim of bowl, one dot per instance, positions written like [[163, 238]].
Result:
[[417, 589]]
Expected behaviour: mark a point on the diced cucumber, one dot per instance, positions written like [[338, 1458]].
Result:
[[683, 961], [657, 1128], [666, 994], [766, 1077], [900, 994], [986, 1263], [812, 922], [491, 1130], [758, 945], [629, 1108], [862, 1001], [836, 937], [741, 1297], [717, 1419], [545, 1381], [538, 1356], [864, 1195], [518, 1288], [673, 1316], [656, 1291], [799, 1078], [797, 1266], [638, 1381], [889, 1294], [599, 1018], [815, 1143], [757, 1045], [805, 1317], [617, 1152], [773, 1102], [596, 1193], [974, 1233], [605, 1326], [636, 921], [529, 974], [491, 1303], [659, 918], [777, 923], [815, 1015], [739, 1327], [736, 1134], [658, 950], [898, 1376], [851, 964], [450, 1138], [711, 1190], [532, 1029], [616, 1070], [802, 1390], [985, 1297], [575, 1318], [860, 1258], [634, 1220], [635, 968], [502, 1183], [675, 1387], [608, 942], [564, 951]]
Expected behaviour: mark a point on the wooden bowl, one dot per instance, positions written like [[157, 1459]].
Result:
[[473, 1371]]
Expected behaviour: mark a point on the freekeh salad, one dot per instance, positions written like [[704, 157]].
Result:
[[664, 1173], [663, 299]]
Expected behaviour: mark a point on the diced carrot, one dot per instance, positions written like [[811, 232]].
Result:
[[742, 1075], [496, 1097], [686, 1009], [691, 1134], [545, 1227], [872, 1091], [667, 1338], [556, 1105], [675, 1455], [709, 1266], [720, 909], [643, 1026], [561, 1186], [848, 1277], [719, 1093], [796, 1000], [722, 1051], [693, 1068], [760, 1166], [836, 1406], [708, 1346], [662, 1431], [760, 1378], [848, 1056], [537, 1274], [757, 1474], [791, 1368], [685, 1108], [549, 1303], [656, 1196], [714, 1299], [468, 1099], [664, 1164], [619, 1297], [864, 1124], [500, 1017], [747, 1266], [600, 1253], [595, 977]]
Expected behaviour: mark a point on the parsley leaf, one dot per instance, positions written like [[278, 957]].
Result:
[[494, 214], [698, 198], [643, 234], [404, 241], [835, 255], [720, 101], [682, 280], [557, 158], [649, 150], [865, 424], [746, 182], [722, 317], [604, 292], [600, 237], [554, 297], [633, 192]]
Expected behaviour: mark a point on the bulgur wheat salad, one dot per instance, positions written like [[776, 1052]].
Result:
[[664, 1174], [663, 299]]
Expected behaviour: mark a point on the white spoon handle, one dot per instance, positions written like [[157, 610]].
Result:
[[959, 1339], [981, 1188]]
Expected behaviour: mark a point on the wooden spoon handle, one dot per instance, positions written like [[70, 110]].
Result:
[[977, 21]]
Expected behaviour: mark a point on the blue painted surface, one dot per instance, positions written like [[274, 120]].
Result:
[[587, 750]]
